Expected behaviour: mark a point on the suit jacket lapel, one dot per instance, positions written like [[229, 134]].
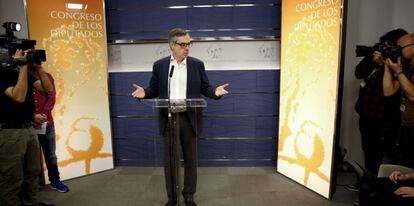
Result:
[[164, 75]]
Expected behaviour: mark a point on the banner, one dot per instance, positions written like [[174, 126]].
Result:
[[74, 37], [310, 54], [232, 55]]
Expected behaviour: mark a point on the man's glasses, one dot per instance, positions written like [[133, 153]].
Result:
[[184, 45], [406, 46]]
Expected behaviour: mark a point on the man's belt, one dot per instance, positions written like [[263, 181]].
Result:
[[15, 125]]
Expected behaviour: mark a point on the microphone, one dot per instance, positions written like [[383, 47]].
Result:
[[171, 71], [169, 93]]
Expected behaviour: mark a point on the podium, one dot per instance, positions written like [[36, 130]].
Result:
[[173, 107]]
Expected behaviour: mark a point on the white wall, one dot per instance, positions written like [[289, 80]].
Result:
[[13, 10], [404, 14], [367, 21]]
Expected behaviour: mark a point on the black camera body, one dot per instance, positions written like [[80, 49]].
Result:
[[392, 51], [9, 44]]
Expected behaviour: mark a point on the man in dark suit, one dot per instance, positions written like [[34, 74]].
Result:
[[189, 80]]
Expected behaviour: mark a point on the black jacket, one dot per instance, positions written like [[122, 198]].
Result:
[[197, 84]]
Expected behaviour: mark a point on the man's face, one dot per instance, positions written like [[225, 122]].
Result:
[[407, 52], [181, 47]]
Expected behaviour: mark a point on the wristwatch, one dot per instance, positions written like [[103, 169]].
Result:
[[396, 74]]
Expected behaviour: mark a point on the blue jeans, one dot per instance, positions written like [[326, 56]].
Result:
[[48, 144]]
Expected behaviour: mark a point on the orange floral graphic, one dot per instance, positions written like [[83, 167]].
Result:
[[93, 152]]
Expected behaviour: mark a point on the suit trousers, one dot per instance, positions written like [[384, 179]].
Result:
[[188, 142]]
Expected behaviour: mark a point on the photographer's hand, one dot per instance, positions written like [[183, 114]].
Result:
[[395, 67], [377, 58], [18, 92]]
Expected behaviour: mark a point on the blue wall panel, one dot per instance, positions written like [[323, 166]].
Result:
[[267, 126], [219, 18], [117, 22], [254, 149], [244, 126], [161, 19], [265, 16], [262, 104], [121, 83], [148, 20], [128, 106], [165, 3], [149, 152], [126, 128], [134, 149], [229, 127], [239, 130], [213, 127], [213, 149]]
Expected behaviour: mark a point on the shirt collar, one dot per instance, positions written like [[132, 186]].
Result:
[[184, 62]]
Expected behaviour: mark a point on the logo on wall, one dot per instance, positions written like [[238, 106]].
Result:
[[162, 52], [267, 51], [215, 51]]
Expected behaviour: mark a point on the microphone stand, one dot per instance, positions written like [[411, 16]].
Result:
[[172, 124]]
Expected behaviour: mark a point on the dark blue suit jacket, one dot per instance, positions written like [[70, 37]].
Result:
[[197, 85]]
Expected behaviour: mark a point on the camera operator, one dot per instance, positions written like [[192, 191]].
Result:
[[399, 76], [19, 146], [378, 115]]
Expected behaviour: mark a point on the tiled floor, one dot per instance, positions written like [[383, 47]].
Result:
[[217, 186]]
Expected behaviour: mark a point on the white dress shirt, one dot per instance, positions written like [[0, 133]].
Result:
[[179, 79]]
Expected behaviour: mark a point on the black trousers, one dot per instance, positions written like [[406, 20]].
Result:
[[188, 142], [373, 134], [401, 144], [380, 192]]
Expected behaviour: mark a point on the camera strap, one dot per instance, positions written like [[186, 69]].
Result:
[[373, 71]]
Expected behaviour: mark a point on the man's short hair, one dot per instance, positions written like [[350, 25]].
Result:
[[174, 33]]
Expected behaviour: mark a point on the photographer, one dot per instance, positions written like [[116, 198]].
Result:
[[378, 115], [398, 76], [19, 146]]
